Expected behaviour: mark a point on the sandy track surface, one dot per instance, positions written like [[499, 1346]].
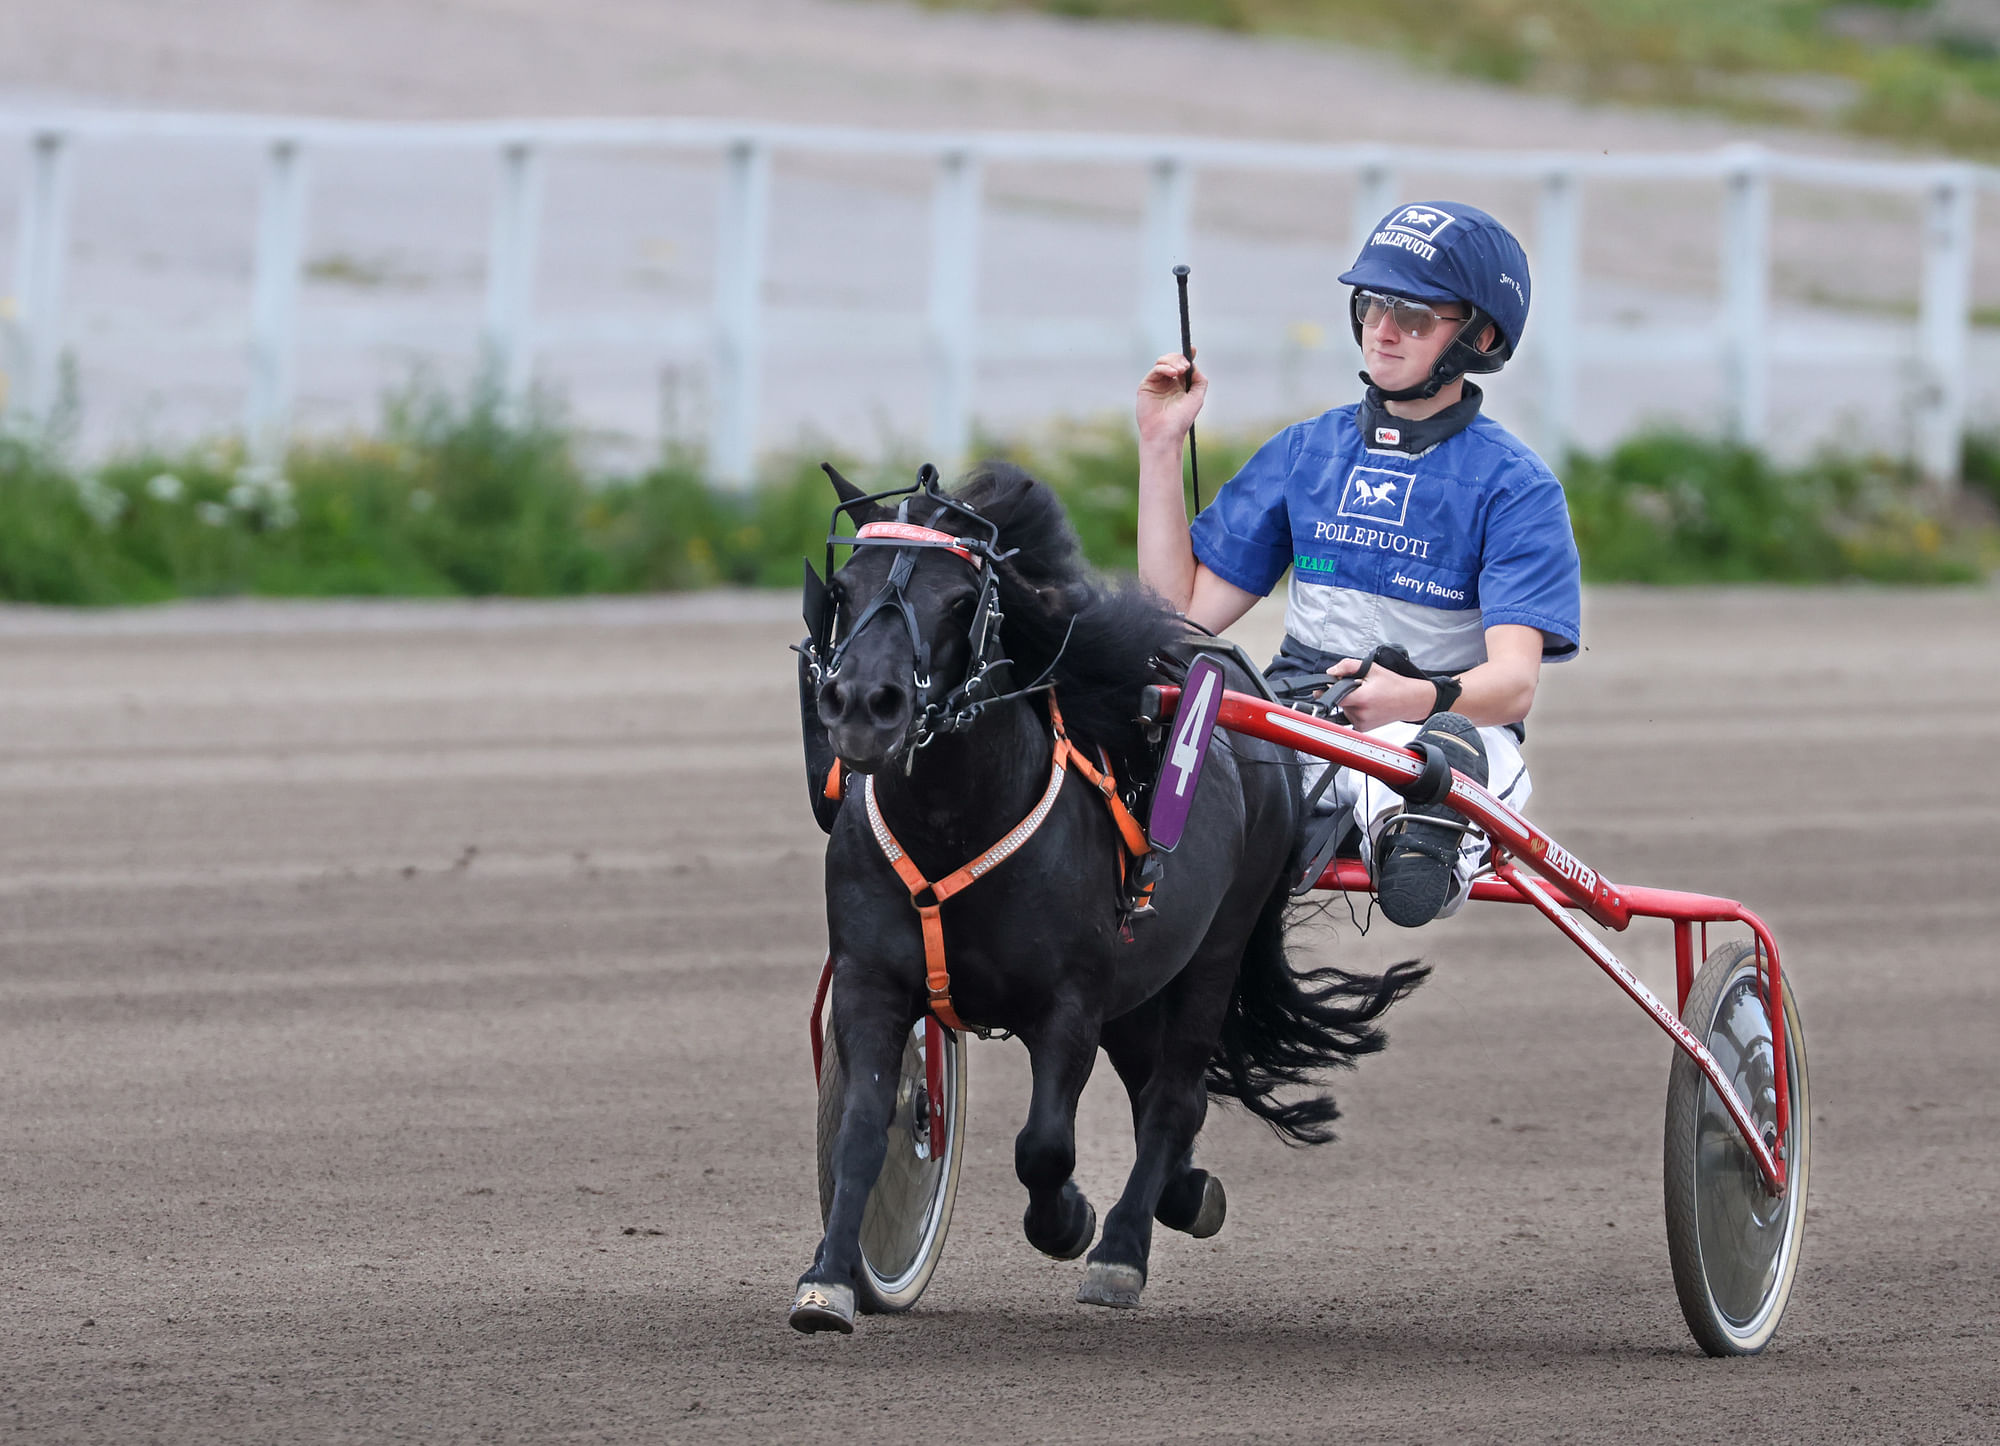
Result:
[[853, 61], [402, 1037]]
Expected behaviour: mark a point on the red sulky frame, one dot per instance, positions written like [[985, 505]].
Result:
[[1564, 883], [1521, 853]]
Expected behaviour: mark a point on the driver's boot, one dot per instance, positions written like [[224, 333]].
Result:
[[1414, 859]]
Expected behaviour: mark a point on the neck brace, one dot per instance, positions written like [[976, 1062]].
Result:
[[1382, 431]]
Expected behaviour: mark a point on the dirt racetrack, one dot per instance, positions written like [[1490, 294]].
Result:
[[402, 1037]]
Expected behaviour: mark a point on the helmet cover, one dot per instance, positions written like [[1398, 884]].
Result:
[[1447, 252]]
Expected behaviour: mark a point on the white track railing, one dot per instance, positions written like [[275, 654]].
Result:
[[1739, 340]]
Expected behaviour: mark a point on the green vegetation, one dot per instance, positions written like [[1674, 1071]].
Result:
[[453, 498], [1902, 69], [462, 497], [1671, 508]]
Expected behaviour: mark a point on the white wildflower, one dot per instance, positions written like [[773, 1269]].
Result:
[[266, 494], [105, 503], [165, 487], [212, 513]]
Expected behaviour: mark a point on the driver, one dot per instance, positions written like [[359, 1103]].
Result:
[[1430, 548]]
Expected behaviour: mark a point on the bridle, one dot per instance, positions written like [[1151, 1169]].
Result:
[[989, 673]]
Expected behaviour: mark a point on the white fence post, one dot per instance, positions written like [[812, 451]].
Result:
[[274, 300], [744, 222], [1945, 326], [1746, 296], [1374, 194], [1163, 246], [953, 330], [1558, 285], [41, 247], [510, 269]]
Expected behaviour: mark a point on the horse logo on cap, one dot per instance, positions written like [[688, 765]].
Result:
[[1423, 222]]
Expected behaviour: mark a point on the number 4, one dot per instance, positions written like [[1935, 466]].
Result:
[[1186, 756]]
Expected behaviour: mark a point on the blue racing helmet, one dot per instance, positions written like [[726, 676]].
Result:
[[1446, 252]]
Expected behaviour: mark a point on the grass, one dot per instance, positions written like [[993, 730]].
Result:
[[461, 496], [1901, 69]]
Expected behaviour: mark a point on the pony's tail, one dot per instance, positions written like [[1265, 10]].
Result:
[[1283, 1026]]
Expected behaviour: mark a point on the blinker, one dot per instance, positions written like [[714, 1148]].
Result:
[[985, 618], [817, 607]]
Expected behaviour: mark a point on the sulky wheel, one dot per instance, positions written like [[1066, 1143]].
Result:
[[1735, 1248], [909, 1210]]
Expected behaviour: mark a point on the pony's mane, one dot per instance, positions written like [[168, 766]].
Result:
[[1096, 636]]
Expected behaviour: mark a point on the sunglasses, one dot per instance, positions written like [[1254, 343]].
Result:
[[1413, 318]]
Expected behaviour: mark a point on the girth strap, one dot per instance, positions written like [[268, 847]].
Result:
[[1063, 757]]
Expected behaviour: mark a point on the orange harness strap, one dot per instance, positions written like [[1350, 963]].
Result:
[[1064, 756], [1107, 787]]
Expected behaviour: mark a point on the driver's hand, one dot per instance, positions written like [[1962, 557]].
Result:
[[1383, 696], [1166, 407]]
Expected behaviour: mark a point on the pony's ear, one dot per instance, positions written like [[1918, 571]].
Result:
[[847, 490], [874, 512]]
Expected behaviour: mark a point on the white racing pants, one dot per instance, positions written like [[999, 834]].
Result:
[[1374, 803]]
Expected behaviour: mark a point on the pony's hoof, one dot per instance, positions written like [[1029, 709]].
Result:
[[1073, 1248], [822, 1307], [1117, 1286], [1214, 1210], [1200, 1217]]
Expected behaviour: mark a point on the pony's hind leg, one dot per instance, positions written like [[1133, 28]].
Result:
[[1192, 1200], [869, 1026], [1059, 1221], [1168, 1110]]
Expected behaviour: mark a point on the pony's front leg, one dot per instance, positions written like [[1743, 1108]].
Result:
[[1059, 1221], [870, 1022]]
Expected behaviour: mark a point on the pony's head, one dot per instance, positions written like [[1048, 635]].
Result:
[[907, 636], [910, 625]]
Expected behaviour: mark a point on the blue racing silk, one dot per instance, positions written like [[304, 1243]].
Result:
[[1425, 552]]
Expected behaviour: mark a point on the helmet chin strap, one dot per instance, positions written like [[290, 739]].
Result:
[[1448, 367], [1423, 391]]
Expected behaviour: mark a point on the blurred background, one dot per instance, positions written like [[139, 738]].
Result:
[[259, 248]]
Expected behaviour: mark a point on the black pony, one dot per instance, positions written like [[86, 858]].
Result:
[[1195, 998]]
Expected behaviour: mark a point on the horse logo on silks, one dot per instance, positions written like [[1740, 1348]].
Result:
[[1377, 494], [1371, 493]]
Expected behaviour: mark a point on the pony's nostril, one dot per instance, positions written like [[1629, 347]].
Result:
[[833, 699], [887, 702]]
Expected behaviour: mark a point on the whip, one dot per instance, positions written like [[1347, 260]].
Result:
[[1187, 382]]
